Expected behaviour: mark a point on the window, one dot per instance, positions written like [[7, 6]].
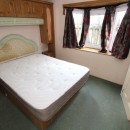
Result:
[[94, 33], [93, 39], [78, 19]]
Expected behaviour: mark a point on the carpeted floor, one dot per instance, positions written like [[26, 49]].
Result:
[[98, 106]]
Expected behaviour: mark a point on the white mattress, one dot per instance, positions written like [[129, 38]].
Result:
[[40, 81]]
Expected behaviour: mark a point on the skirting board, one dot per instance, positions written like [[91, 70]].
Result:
[[127, 109]]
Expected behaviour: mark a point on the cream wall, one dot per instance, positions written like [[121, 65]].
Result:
[[105, 67]]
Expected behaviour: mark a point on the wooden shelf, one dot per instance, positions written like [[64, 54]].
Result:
[[49, 53]]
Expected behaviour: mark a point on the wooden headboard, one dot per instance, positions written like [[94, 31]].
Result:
[[14, 46]]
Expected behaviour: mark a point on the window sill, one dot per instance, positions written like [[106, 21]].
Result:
[[93, 51]]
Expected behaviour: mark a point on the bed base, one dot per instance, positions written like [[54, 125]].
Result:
[[40, 124]]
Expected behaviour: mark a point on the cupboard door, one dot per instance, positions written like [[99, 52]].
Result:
[[49, 24], [26, 8], [7, 8], [47, 29]]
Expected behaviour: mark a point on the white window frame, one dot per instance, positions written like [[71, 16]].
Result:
[[99, 11], [81, 12]]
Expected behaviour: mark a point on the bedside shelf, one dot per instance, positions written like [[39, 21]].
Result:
[[49, 53]]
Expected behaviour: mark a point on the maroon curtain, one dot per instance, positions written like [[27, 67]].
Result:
[[70, 38], [122, 41], [106, 26], [85, 27]]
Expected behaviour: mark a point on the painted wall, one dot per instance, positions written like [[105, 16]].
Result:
[[103, 66]]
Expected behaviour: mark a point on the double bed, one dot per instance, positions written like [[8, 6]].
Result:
[[40, 85]]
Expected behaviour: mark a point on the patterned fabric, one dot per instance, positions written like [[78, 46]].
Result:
[[70, 38], [122, 41], [86, 23], [106, 26]]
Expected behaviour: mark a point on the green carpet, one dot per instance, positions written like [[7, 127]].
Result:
[[98, 106]]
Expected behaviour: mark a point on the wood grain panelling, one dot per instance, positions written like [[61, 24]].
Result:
[[18, 8], [7, 8], [37, 9], [27, 9]]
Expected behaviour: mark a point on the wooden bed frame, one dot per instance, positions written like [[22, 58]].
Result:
[[30, 48], [42, 125]]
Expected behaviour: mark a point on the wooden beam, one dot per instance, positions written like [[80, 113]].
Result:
[[95, 3], [41, 1]]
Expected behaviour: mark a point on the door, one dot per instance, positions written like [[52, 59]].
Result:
[[125, 94]]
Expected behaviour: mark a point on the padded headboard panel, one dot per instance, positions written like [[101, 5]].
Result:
[[14, 46]]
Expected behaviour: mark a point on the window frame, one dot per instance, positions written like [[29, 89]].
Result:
[[81, 12], [101, 11]]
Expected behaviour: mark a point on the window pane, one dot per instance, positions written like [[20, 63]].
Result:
[[94, 33], [78, 19]]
